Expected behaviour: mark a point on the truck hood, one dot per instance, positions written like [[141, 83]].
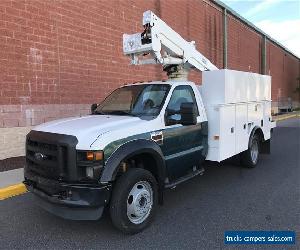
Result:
[[88, 128]]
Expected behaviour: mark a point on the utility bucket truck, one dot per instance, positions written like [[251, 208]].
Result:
[[148, 136]]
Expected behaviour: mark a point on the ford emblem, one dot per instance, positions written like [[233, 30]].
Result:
[[40, 156]]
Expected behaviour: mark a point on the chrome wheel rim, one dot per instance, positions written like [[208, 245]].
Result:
[[139, 202], [254, 151]]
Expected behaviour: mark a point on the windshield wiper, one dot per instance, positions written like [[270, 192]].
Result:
[[99, 113], [120, 112]]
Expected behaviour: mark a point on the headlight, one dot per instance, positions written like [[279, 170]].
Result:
[[90, 163], [89, 172]]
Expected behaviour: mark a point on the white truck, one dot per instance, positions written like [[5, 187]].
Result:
[[148, 136]]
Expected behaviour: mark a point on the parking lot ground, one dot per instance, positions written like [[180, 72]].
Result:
[[195, 214]]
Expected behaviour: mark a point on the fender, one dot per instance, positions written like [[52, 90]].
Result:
[[130, 149], [253, 132]]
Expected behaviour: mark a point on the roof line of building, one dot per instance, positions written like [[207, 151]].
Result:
[[251, 25]]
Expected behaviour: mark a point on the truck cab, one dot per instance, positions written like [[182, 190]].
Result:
[[157, 126]]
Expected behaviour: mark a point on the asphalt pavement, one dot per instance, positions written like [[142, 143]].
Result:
[[195, 214]]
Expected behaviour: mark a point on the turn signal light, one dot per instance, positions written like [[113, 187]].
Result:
[[94, 155], [99, 156], [90, 156]]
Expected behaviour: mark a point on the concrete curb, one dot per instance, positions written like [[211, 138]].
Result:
[[13, 190], [285, 117]]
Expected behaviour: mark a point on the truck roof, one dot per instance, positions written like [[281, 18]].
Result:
[[169, 82]]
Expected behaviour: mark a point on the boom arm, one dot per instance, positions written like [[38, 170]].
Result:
[[158, 37]]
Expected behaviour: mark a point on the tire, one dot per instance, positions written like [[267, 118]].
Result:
[[250, 157], [134, 201]]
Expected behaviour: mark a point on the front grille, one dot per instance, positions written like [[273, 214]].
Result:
[[45, 159], [51, 155]]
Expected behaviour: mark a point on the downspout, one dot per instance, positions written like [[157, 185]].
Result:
[[263, 69], [225, 38]]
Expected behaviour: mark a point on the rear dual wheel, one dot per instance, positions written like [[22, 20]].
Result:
[[250, 157]]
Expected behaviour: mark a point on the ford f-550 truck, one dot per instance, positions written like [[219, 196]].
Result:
[[148, 136]]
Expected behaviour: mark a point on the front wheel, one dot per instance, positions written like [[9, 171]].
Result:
[[250, 157], [134, 200]]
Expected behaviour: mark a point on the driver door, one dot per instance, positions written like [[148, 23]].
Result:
[[182, 144]]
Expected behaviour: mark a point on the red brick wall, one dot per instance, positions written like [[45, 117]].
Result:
[[34, 114], [275, 67], [244, 51], [284, 69], [57, 52], [51, 49]]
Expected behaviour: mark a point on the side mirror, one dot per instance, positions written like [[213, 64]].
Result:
[[188, 112], [169, 120], [93, 107]]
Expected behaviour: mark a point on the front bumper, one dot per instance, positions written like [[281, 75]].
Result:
[[69, 201]]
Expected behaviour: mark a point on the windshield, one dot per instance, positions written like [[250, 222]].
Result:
[[135, 100]]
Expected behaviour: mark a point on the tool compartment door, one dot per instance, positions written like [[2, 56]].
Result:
[[241, 121], [227, 131], [267, 120]]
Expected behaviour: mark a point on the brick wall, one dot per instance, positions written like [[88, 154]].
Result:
[[284, 69], [12, 141], [34, 114], [244, 52], [59, 56]]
